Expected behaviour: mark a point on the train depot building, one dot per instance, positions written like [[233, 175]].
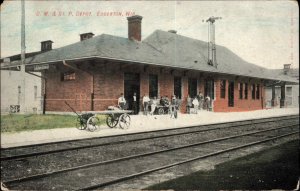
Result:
[[92, 73]]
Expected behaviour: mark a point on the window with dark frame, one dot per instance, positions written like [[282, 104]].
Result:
[[67, 76], [177, 87], [241, 91], [257, 91], [246, 91], [192, 87], [153, 86], [253, 91], [223, 88]]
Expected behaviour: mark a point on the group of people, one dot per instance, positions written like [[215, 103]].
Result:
[[164, 101], [123, 104], [198, 103], [149, 105]]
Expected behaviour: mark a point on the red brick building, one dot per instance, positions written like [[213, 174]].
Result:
[[91, 74]]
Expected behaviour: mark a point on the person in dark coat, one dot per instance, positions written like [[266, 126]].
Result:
[[188, 104], [134, 104]]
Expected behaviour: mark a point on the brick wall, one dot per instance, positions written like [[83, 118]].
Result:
[[76, 92], [221, 104], [108, 82]]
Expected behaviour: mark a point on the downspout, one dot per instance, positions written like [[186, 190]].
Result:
[[92, 82]]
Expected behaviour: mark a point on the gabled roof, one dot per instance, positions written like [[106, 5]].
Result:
[[160, 48]]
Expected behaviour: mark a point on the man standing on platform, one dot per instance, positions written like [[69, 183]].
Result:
[[146, 101], [200, 98], [122, 101], [134, 104]]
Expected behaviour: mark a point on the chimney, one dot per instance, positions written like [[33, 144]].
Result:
[[172, 31], [46, 45], [85, 36], [134, 27], [286, 68]]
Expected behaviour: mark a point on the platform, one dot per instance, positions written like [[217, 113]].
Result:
[[139, 123]]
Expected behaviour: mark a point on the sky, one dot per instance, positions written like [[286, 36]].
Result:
[[265, 33]]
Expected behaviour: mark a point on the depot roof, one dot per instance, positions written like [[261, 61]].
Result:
[[160, 48]]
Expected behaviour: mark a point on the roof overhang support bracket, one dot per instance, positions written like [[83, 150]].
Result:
[[273, 84], [200, 75], [185, 72], [172, 71], [146, 68], [36, 75], [161, 70]]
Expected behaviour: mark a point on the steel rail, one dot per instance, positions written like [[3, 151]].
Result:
[[22, 156], [97, 186], [140, 155]]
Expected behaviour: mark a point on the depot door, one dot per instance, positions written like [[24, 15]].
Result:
[[131, 85], [230, 94]]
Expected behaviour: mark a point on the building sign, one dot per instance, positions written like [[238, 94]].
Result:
[[41, 67]]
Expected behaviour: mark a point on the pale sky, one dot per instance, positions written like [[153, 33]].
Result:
[[265, 33]]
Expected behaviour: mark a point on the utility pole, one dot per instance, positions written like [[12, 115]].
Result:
[[23, 48], [212, 59]]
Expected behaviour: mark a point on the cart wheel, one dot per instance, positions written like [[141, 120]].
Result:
[[81, 123], [161, 111], [124, 121], [93, 123], [111, 121]]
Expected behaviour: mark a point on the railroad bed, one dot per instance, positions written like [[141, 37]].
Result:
[[97, 163]]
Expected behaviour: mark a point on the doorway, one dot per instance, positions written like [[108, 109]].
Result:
[[131, 85], [230, 94], [209, 89]]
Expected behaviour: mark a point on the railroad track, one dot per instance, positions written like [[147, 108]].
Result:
[[179, 154], [62, 146]]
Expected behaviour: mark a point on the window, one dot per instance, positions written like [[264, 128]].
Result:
[[288, 91], [246, 91], [230, 94], [209, 89], [223, 88], [241, 90], [177, 87], [257, 92], [67, 76], [253, 91], [153, 86], [192, 87], [35, 92]]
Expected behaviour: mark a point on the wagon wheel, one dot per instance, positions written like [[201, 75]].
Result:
[[111, 121], [161, 111], [93, 123], [81, 123], [124, 121]]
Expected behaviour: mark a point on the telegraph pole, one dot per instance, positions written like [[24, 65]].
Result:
[[212, 59], [23, 48]]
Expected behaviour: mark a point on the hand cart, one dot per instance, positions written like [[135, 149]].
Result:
[[114, 116]]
